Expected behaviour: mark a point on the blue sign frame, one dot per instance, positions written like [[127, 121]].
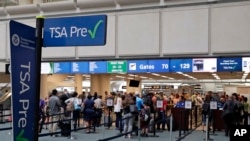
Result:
[[75, 31], [97, 67], [23, 79], [229, 64]]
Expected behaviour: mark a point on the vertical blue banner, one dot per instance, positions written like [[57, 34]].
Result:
[[23, 74]]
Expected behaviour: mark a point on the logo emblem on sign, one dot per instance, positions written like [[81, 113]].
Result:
[[15, 40], [132, 66]]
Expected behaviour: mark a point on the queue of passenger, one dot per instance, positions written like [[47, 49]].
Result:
[[128, 108]]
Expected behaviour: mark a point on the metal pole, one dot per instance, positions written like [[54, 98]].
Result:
[[207, 128], [39, 44], [139, 128], [103, 127], [171, 126]]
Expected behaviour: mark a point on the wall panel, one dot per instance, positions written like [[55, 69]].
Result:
[[138, 34], [108, 49], [3, 41], [230, 29], [185, 31]]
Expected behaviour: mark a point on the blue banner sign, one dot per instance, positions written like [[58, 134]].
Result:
[[159, 65], [62, 67], [23, 75], [229, 64], [79, 67], [97, 67], [75, 31], [181, 65], [137, 66]]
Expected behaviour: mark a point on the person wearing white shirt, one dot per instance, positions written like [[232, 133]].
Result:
[[77, 108], [118, 111]]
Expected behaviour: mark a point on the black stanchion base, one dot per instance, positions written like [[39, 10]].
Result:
[[154, 136], [208, 139]]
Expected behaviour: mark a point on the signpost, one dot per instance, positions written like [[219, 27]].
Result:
[[117, 66], [25, 67]]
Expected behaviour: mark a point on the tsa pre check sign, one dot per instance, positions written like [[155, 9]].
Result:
[[23, 80], [75, 31]]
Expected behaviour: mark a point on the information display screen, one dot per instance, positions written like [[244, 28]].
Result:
[[205, 65], [246, 64], [229, 64]]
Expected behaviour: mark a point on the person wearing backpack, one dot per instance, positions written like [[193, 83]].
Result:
[[205, 111], [145, 119], [75, 108]]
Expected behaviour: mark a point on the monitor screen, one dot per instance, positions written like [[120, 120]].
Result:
[[134, 83]]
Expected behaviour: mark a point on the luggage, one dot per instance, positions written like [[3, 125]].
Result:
[[65, 128], [151, 126], [108, 121]]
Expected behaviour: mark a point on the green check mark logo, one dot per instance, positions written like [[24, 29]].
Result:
[[93, 33], [20, 136]]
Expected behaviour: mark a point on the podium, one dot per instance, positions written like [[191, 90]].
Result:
[[181, 116]]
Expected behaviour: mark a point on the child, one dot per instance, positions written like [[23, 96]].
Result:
[[145, 118]]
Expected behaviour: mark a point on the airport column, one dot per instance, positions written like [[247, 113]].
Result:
[[100, 83], [44, 86], [78, 83], [133, 89]]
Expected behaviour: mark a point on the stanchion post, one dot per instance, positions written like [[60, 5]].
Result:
[[171, 126], [139, 128], [109, 118], [103, 128], [195, 115], [191, 119], [180, 123], [207, 138]]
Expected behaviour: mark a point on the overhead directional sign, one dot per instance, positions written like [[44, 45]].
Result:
[[117, 66], [23, 75], [158, 65], [229, 64], [137, 66], [181, 65], [97, 67], [75, 31], [79, 67], [62, 67]]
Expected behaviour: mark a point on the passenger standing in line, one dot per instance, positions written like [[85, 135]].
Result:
[[77, 108], [118, 111], [54, 111], [128, 117], [228, 114], [205, 111], [246, 109], [98, 109], [88, 112]]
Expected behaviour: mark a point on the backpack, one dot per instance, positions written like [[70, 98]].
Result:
[[145, 114], [70, 106], [205, 108]]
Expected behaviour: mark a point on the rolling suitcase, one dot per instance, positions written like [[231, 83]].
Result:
[[65, 129]]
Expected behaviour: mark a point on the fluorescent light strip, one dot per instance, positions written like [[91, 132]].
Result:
[[119, 76], [155, 74]]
